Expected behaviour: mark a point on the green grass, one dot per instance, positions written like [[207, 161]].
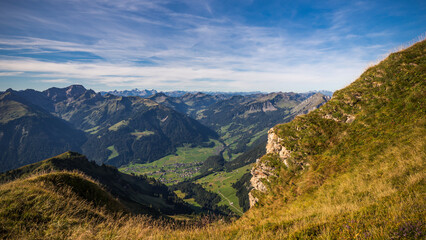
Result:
[[114, 152], [226, 156], [221, 183], [93, 130], [191, 201], [365, 177], [12, 110], [119, 125], [287, 104], [175, 168], [224, 129], [257, 136], [52, 204], [139, 135]]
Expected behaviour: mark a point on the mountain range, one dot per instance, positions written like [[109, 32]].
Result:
[[147, 93], [108, 129], [119, 130]]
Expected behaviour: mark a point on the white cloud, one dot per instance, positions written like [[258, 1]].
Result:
[[7, 74], [60, 80], [187, 47], [296, 78]]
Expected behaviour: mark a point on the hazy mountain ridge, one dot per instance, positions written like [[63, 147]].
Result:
[[133, 92], [148, 93]]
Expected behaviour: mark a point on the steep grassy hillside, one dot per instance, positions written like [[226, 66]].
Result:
[[137, 193], [44, 205], [355, 168]]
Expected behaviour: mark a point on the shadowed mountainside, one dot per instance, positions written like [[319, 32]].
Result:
[[118, 130], [29, 134]]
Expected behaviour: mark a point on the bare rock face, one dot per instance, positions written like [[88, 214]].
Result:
[[274, 146], [252, 200], [313, 102], [260, 172]]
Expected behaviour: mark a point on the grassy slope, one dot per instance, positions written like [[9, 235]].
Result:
[[191, 201], [44, 205], [138, 194], [366, 178]]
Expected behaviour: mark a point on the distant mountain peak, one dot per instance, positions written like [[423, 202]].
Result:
[[75, 90], [160, 94], [76, 86]]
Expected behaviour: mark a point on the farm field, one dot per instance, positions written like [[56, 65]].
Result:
[[175, 168], [221, 183]]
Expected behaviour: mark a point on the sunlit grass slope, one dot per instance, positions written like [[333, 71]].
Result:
[[138, 193], [366, 155], [221, 183], [52, 204]]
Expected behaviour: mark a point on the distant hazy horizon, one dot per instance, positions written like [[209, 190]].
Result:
[[326, 92]]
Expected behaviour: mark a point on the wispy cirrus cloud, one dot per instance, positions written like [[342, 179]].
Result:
[[172, 44], [59, 80], [5, 74]]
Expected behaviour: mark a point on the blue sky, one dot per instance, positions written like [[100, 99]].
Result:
[[238, 45]]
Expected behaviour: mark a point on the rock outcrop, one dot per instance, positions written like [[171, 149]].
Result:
[[274, 147], [260, 172]]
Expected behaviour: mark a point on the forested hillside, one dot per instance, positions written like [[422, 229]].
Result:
[[29, 134]]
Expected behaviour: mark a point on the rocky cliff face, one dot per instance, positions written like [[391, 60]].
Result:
[[313, 102], [261, 171], [275, 148]]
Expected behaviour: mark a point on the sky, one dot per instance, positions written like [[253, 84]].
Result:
[[200, 45]]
